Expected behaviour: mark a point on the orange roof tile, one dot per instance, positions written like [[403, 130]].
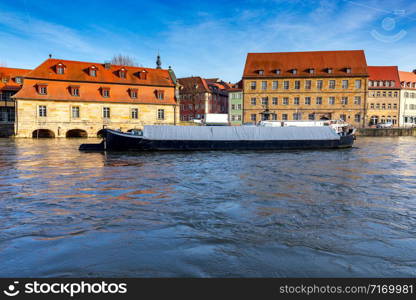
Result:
[[189, 83], [319, 61], [79, 71], [10, 75], [408, 77], [384, 73], [92, 92]]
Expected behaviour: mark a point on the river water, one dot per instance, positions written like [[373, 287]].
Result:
[[208, 214]]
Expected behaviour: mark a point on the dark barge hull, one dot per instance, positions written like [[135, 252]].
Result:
[[119, 141]]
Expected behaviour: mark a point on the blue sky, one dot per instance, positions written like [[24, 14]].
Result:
[[206, 38]]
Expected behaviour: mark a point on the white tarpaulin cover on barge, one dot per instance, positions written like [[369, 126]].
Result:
[[237, 133]]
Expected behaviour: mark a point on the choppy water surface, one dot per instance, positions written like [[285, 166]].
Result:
[[208, 214]]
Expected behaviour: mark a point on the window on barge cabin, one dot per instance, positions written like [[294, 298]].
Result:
[[106, 112]]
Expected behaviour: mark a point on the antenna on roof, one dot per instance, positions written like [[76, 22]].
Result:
[[50, 55]]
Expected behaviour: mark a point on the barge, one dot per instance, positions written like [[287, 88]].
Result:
[[199, 138]]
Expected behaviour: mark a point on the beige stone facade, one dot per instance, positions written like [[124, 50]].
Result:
[[306, 99], [383, 106], [61, 121]]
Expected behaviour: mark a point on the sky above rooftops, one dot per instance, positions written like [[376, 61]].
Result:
[[204, 38]]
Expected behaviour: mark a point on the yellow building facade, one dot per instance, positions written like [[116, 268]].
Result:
[[86, 119], [383, 101], [79, 99], [305, 99], [318, 85]]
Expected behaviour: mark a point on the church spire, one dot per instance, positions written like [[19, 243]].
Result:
[[158, 62]]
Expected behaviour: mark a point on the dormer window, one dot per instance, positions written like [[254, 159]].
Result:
[[294, 71], [93, 71], [160, 94], [143, 74], [261, 72], [105, 92], [348, 70], [122, 73], [133, 93], [74, 90], [5, 79], [311, 71], [277, 71], [42, 89], [329, 70], [18, 80], [60, 69]]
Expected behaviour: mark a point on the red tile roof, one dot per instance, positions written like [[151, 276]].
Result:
[[189, 83], [90, 87], [9, 75], [79, 71], [320, 61], [384, 73], [92, 92], [408, 77]]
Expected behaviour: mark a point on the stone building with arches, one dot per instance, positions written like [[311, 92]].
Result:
[[62, 98]]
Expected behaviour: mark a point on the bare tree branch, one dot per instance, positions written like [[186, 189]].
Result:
[[123, 60]]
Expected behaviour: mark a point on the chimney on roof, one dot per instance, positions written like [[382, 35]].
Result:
[[50, 55], [107, 65], [414, 71]]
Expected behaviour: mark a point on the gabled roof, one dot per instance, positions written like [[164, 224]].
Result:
[[79, 71], [384, 73], [10, 74], [320, 61], [407, 77], [189, 83]]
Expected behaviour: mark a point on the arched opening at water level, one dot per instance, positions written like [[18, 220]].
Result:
[[76, 133], [43, 133], [100, 133]]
